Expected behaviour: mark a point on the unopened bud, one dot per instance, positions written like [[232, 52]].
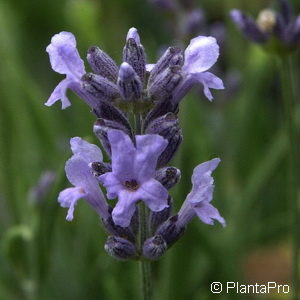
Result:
[[170, 231], [105, 110], [116, 230], [99, 168], [99, 87], [168, 176], [161, 108], [168, 127], [102, 64], [129, 83], [101, 128], [154, 247], [163, 63], [120, 248], [134, 53], [157, 218], [165, 83]]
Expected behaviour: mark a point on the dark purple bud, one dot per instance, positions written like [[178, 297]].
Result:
[[293, 33], [248, 26], [154, 247], [99, 168], [116, 230], [99, 87], [165, 83], [163, 63], [170, 231], [102, 64], [168, 176], [157, 218], [161, 108], [134, 53], [168, 127], [101, 128], [120, 248], [107, 111], [129, 83], [194, 22]]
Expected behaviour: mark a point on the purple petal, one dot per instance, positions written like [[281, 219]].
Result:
[[133, 34], [125, 208], [112, 184], [154, 195], [208, 213], [88, 152], [149, 147], [123, 153], [202, 173], [79, 174], [200, 55], [209, 80], [69, 197], [64, 56], [59, 93]]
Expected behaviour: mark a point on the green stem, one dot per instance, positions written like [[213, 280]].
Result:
[[289, 103], [145, 265]]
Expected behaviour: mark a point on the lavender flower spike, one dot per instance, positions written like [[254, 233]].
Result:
[[65, 59], [199, 56], [80, 175], [198, 200], [132, 176]]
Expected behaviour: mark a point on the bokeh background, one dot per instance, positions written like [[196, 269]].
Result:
[[42, 256]]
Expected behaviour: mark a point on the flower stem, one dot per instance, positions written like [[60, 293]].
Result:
[[289, 103], [145, 265]]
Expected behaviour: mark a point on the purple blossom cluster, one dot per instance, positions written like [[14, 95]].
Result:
[[138, 175], [277, 30]]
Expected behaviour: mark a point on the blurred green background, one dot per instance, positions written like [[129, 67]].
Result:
[[44, 257]]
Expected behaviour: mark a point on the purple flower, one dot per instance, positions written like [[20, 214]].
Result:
[[65, 59], [80, 175], [199, 56], [132, 176], [198, 200], [282, 25]]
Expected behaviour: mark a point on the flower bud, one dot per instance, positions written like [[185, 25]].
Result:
[[167, 126], [157, 218], [161, 108], [116, 230], [163, 63], [102, 64], [154, 247], [101, 128], [170, 231], [134, 53], [120, 248], [165, 83], [129, 83], [168, 176], [99, 87], [105, 110], [99, 168]]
